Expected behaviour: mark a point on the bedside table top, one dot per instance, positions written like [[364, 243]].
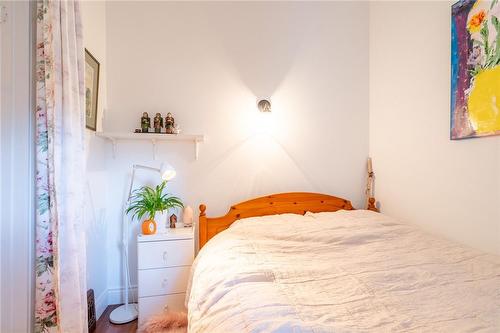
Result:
[[171, 234]]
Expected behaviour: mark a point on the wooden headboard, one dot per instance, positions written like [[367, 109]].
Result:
[[296, 202]]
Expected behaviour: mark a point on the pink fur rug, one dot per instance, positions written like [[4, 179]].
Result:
[[167, 322]]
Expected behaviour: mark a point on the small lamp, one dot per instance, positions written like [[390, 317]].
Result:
[[167, 172], [128, 311]]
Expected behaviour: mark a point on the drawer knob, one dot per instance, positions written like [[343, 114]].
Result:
[[165, 256], [164, 283]]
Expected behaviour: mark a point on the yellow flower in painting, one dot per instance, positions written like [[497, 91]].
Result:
[[483, 104], [476, 21]]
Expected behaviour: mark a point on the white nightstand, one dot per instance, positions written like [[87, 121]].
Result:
[[164, 263]]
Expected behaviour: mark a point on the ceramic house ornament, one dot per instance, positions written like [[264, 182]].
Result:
[[173, 220]]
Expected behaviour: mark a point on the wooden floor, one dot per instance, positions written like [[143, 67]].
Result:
[[105, 326]]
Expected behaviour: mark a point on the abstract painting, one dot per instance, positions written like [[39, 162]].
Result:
[[475, 69]]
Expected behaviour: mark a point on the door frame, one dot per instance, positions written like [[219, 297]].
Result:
[[17, 189]]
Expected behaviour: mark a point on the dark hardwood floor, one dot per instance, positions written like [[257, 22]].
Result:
[[105, 326]]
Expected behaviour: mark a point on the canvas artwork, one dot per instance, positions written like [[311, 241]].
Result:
[[475, 69], [91, 90]]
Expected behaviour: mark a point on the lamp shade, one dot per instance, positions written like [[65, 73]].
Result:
[[264, 105], [167, 172]]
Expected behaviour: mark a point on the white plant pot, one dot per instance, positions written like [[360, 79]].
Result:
[[162, 223]]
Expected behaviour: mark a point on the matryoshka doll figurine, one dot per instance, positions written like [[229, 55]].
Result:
[[158, 123], [169, 124], [145, 122]]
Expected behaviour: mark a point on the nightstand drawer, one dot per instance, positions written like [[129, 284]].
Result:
[[150, 306], [165, 254], [161, 281]]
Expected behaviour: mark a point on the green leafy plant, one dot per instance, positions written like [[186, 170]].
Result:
[[146, 201]]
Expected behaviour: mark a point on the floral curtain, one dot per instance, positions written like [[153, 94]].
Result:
[[60, 240]]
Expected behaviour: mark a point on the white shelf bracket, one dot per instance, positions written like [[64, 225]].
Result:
[[153, 142], [196, 149], [113, 143]]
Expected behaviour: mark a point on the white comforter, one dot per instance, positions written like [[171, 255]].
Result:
[[348, 271]]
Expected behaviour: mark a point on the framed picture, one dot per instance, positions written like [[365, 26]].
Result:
[[91, 90], [475, 69]]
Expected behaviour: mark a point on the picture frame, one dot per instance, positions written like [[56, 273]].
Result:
[[475, 69], [92, 68]]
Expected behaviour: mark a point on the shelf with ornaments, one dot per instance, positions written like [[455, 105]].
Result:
[[154, 130], [154, 138]]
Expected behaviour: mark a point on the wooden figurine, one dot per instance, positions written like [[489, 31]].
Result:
[[158, 123], [169, 124], [145, 122], [370, 200], [173, 220]]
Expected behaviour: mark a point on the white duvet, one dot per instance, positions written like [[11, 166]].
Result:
[[348, 271]]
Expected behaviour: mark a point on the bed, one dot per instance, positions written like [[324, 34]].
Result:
[[306, 262]]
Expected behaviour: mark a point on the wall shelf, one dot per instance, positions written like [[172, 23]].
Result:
[[154, 138]]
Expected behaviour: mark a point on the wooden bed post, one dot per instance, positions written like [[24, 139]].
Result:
[[202, 225]]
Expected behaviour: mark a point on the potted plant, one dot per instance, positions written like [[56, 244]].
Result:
[[148, 202]]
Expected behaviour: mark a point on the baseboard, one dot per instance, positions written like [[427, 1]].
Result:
[[113, 296], [116, 295], [101, 303]]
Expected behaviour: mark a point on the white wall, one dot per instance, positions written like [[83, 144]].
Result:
[[94, 26], [207, 63], [448, 187]]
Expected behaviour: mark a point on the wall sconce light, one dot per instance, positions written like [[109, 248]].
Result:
[[264, 105]]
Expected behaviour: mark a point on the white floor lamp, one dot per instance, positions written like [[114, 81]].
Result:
[[128, 312]]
